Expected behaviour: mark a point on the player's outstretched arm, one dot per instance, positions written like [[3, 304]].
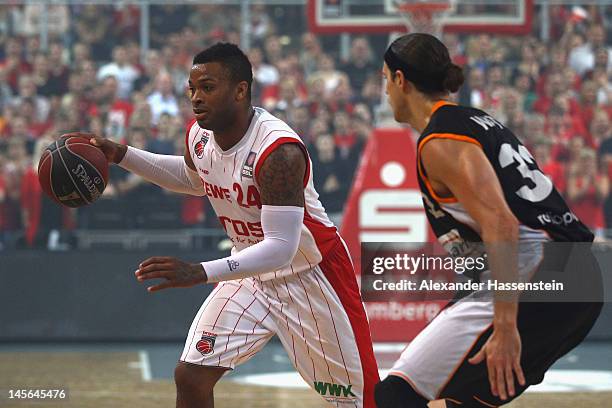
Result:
[[463, 169], [281, 182], [170, 172]]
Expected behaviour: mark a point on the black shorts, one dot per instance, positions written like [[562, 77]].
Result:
[[436, 362]]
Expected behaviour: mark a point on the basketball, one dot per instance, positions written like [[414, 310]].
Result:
[[73, 172]]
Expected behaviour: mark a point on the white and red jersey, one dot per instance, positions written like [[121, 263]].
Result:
[[230, 182]]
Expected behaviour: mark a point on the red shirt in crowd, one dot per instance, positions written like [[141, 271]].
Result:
[[556, 171], [30, 203], [588, 208]]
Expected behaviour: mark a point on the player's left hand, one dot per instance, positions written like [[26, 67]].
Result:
[[503, 356], [178, 274]]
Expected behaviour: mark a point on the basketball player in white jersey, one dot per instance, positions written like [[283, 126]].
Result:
[[289, 273]]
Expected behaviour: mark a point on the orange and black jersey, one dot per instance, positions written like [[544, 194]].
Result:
[[530, 194]]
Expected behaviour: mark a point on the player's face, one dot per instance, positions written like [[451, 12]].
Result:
[[395, 94], [214, 97]]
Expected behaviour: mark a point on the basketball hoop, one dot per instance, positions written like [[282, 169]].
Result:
[[425, 16]]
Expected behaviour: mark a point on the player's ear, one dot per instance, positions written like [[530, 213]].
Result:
[[400, 79], [242, 90]]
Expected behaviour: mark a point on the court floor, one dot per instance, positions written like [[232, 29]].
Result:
[[140, 375]]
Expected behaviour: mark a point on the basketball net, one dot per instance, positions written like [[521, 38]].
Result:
[[420, 16], [423, 16]]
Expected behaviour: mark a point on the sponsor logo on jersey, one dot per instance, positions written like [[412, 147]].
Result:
[[198, 148], [206, 345], [486, 122], [334, 392], [557, 219], [232, 265], [247, 168]]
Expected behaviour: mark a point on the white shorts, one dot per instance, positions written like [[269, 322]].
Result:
[[318, 316], [434, 358]]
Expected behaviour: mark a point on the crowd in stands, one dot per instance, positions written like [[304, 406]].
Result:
[[555, 95]]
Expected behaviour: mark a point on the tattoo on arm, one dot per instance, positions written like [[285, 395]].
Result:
[[281, 177]]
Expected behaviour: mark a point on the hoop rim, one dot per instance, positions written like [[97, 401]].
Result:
[[429, 7]]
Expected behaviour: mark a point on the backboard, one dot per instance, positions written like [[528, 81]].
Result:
[[381, 16]]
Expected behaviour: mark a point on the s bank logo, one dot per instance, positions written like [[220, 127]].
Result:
[[392, 214]]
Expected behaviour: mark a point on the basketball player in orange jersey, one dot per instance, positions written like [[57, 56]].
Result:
[[484, 195], [289, 273]]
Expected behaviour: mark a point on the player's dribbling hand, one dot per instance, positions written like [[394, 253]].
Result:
[[177, 274], [114, 152], [503, 356]]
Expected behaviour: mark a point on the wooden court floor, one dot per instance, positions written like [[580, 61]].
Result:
[[113, 379]]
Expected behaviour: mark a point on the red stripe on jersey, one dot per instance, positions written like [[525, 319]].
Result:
[[339, 272], [282, 140], [189, 126], [325, 237]]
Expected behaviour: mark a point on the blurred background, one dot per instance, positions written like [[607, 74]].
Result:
[[95, 67], [119, 69]]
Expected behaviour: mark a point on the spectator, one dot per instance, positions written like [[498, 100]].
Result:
[[27, 192], [341, 98], [58, 72], [260, 25], [163, 99], [332, 171], [310, 52], [120, 69], [165, 20], [601, 132], [78, 99], [126, 21], [10, 207], [511, 105], [19, 129], [582, 58], [473, 92], [346, 139], [116, 110], [328, 72], [93, 26], [14, 63], [526, 87], [602, 61], [27, 90], [6, 93], [263, 74], [168, 130], [58, 19], [588, 100], [300, 120], [81, 52], [371, 92], [273, 48], [602, 79], [555, 170], [153, 66], [479, 50], [529, 64], [360, 64], [587, 188]]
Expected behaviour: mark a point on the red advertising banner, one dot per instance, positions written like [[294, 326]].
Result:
[[385, 205]]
